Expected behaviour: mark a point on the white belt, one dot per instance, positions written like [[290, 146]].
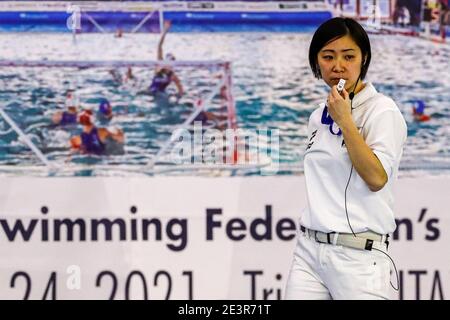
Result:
[[362, 240]]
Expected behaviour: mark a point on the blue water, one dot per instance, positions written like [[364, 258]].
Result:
[[273, 89]]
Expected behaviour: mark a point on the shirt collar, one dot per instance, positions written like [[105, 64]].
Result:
[[365, 94]]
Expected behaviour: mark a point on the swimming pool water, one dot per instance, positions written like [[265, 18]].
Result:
[[273, 89]]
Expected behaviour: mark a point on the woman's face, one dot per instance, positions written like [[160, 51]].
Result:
[[341, 59]]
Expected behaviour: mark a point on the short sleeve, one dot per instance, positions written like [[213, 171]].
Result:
[[385, 134]]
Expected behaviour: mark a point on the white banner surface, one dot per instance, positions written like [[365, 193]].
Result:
[[190, 238]]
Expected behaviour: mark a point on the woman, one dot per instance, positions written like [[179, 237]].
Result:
[[105, 112], [354, 146], [97, 141], [164, 75], [70, 115], [66, 117], [418, 111]]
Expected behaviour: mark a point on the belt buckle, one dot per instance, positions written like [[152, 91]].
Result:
[[315, 238]]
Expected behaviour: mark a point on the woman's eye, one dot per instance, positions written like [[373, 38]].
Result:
[[349, 57], [327, 57]]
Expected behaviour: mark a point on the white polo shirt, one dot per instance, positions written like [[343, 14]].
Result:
[[327, 167]]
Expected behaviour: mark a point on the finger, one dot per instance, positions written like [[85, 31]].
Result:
[[346, 94], [330, 98], [335, 93]]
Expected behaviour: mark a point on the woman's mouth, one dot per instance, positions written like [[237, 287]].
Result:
[[337, 79]]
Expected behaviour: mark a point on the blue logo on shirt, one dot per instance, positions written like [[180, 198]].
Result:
[[327, 120]]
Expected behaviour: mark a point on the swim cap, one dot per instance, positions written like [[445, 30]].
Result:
[[419, 107], [170, 57], [86, 118], [105, 107]]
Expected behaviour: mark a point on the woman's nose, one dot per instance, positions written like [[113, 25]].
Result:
[[339, 66]]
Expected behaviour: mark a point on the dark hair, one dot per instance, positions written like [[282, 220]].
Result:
[[336, 28]]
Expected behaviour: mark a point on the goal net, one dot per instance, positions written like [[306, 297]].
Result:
[[37, 129]]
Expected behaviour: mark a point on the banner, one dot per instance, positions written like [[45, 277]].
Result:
[[189, 238]]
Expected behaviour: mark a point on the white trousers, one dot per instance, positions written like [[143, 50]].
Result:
[[322, 271]]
